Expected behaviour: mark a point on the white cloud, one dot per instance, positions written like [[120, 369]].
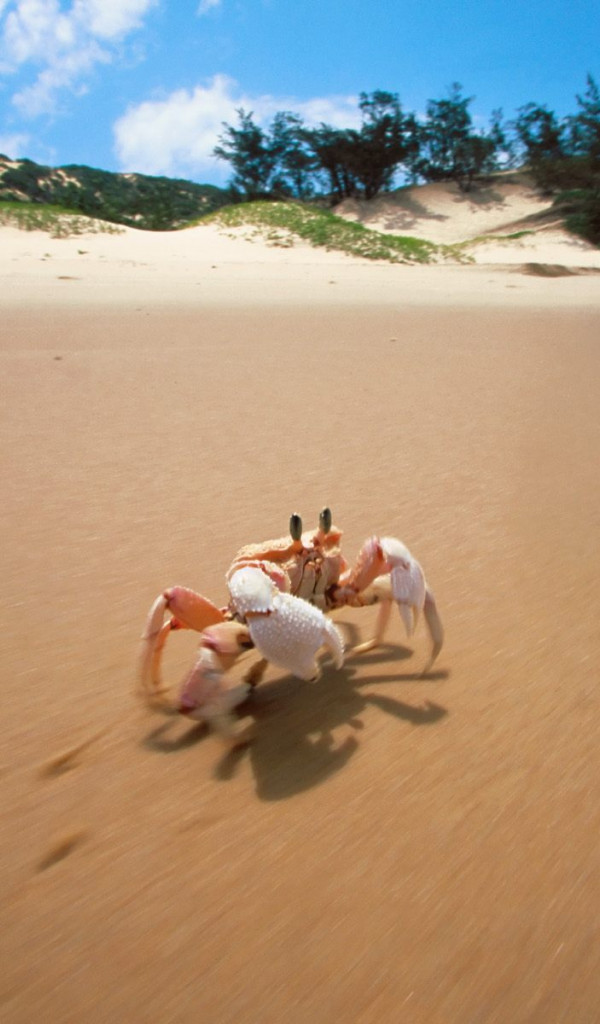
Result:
[[176, 135], [14, 146], [68, 73], [62, 45], [207, 5], [112, 19]]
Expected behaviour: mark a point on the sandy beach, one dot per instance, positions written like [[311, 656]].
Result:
[[390, 848]]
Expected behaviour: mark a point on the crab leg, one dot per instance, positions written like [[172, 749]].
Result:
[[380, 592], [403, 583], [204, 697], [254, 674], [435, 627], [188, 611], [370, 564]]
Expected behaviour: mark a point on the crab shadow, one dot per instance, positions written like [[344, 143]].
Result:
[[160, 740], [298, 743], [295, 747]]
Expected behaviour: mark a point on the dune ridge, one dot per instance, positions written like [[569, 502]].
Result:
[[499, 233]]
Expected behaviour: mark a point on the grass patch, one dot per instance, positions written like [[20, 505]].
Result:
[[280, 224], [482, 239], [461, 249], [516, 235], [57, 221]]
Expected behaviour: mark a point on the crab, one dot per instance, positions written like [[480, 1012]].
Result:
[[280, 594]]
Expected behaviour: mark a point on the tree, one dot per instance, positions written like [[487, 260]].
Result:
[[333, 152], [384, 141], [584, 127], [564, 158], [580, 178], [449, 149], [362, 163], [543, 140], [295, 164], [289, 159], [248, 151]]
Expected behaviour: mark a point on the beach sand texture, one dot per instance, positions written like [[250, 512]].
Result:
[[391, 848]]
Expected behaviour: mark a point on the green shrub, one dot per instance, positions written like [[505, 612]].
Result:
[[57, 221], [279, 223]]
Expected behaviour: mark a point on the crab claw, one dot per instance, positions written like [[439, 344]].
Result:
[[386, 571], [370, 564], [286, 630], [204, 697], [252, 591], [408, 581], [227, 640], [412, 595], [188, 611]]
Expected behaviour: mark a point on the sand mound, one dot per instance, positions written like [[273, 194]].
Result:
[[443, 214], [504, 220], [503, 227]]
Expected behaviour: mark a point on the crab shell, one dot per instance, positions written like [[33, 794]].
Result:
[[287, 630], [310, 566]]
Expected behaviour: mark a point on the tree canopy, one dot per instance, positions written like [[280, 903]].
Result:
[[290, 159], [287, 159], [563, 155]]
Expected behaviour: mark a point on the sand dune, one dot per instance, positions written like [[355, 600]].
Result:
[[443, 213], [391, 847], [212, 266], [507, 206]]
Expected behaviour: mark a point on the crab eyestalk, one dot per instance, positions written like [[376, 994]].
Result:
[[325, 520], [296, 527]]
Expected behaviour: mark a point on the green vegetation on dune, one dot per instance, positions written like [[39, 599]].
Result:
[[280, 223], [300, 170], [56, 220], [493, 237], [290, 160], [136, 200]]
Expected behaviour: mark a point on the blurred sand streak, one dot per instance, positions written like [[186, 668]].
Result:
[[390, 848]]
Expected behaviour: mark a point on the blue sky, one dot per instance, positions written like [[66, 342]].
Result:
[[144, 85]]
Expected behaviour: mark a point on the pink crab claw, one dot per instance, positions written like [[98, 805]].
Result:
[[386, 571], [286, 630], [407, 579], [204, 697], [188, 611]]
